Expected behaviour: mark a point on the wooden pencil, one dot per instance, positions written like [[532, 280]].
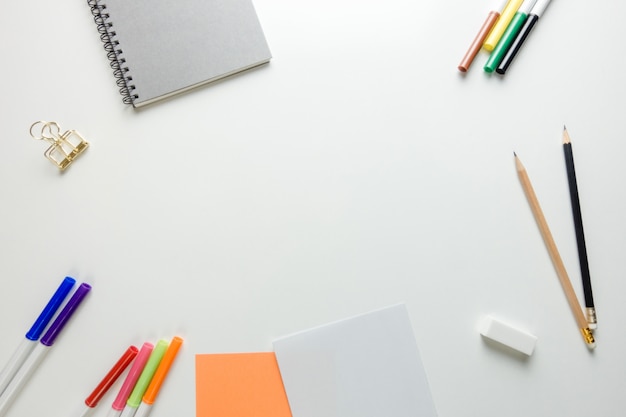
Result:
[[554, 254], [580, 234]]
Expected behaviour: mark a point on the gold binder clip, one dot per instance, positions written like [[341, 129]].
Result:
[[64, 147]]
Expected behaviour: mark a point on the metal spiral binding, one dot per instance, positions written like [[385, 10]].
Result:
[[114, 53]]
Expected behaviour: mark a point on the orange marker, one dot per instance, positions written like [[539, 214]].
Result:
[[482, 34], [159, 376]]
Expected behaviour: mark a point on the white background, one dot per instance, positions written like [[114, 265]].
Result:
[[357, 170]]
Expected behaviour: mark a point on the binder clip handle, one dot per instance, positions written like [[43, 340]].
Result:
[[49, 131]]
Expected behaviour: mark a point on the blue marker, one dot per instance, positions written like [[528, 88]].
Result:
[[42, 348], [30, 341]]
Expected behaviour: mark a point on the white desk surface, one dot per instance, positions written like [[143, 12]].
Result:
[[357, 170]]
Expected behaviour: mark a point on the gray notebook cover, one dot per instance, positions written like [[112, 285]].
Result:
[[165, 47]]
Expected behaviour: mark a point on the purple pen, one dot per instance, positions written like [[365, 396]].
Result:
[[40, 351]]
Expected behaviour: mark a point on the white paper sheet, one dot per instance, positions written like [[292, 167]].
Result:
[[364, 366]]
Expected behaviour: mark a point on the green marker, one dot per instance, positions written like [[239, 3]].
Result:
[[144, 379], [508, 36]]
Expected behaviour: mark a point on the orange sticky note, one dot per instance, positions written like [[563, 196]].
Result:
[[240, 385]]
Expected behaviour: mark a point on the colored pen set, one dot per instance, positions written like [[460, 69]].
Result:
[[32, 350], [503, 33], [150, 364]]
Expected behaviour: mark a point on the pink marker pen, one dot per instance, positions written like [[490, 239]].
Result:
[[131, 379]]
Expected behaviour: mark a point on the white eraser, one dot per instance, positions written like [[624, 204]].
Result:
[[508, 335]]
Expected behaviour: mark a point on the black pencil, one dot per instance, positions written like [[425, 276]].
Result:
[[578, 225]]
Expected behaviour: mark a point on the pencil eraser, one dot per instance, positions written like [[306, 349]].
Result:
[[508, 335]]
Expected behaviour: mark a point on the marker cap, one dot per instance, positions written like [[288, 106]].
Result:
[[65, 314], [146, 376], [162, 370], [110, 378], [133, 375], [503, 22], [46, 315]]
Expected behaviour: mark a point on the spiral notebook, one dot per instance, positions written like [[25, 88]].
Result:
[[159, 48]]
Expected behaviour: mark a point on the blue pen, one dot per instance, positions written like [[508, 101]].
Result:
[[42, 348], [30, 341]]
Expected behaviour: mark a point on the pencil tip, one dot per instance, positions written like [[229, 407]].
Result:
[[514, 154], [564, 128], [566, 139]]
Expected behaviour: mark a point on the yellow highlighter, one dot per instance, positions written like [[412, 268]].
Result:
[[498, 29]]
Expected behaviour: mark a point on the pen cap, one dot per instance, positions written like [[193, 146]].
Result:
[[133, 375], [110, 378], [146, 375], [46, 315], [65, 314], [162, 370], [503, 22]]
